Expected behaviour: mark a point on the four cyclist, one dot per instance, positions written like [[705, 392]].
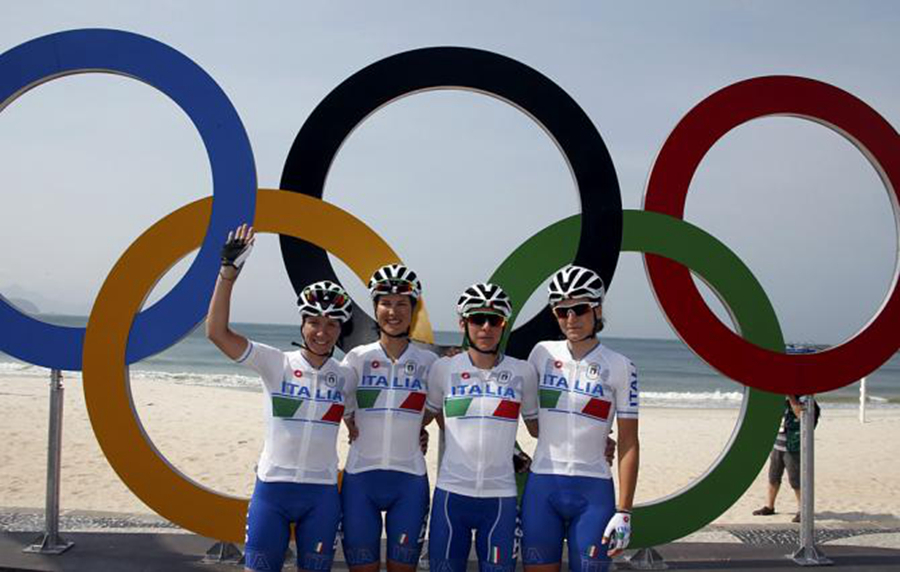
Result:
[[568, 394]]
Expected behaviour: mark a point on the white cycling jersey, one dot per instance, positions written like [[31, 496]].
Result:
[[481, 414], [578, 401], [304, 409], [388, 407]]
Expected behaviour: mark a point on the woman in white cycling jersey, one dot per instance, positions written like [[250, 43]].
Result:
[[305, 394], [583, 387], [477, 397], [385, 470]]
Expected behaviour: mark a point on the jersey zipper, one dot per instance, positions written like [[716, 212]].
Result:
[[388, 416], [307, 433]]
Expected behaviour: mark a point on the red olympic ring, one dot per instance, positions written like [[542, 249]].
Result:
[[666, 193]]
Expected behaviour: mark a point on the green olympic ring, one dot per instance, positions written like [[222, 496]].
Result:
[[701, 502]]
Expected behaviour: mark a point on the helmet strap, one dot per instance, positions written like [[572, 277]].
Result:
[[305, 346]]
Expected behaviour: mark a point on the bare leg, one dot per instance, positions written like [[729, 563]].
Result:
[[400, 567], [543, 567], [772, 493]]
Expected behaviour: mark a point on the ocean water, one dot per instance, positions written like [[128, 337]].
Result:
[[670, 374]]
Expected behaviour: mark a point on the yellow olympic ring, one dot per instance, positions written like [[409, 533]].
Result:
[[107, 390]]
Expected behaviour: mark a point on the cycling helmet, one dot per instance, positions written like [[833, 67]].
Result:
[[484, 296], [395, 279], [576, 282], [327, 299]]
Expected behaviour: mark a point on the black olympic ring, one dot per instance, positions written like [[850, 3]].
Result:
[[387, 80]]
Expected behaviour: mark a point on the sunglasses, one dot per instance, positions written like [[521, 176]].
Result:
[[494, 320], [328, 298], [562, 312], [394, 287]]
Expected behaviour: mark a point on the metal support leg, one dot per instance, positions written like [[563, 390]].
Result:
[[223, 553], [50, 542], [647, 559], [808, 554]]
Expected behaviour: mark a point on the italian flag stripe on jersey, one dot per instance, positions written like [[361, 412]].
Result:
[[598, 408], [415, 401], [285, 406], [366, 398], [456, 407], [549, 398], [495, 555], [507, 409], [334, 413]]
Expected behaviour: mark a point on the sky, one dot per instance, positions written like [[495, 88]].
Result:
[[455, 180]]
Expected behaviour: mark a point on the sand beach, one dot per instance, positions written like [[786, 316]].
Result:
[[214, 436]]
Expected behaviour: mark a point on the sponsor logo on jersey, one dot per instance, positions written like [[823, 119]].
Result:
[[331, 380], [503, 377], [298, 373], [410, 368], [465, 375], [557, 364], [376, 364], [593, 371]]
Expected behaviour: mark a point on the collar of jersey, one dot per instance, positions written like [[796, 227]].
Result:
[[500, 359], [593, 349], [311, 366], [387, 356]]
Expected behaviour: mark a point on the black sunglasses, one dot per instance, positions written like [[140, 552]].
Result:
[[562, 312], [494, 320]]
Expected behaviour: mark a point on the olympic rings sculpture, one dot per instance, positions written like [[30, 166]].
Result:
[[119, 332]]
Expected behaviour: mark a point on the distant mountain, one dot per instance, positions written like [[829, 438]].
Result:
[[24, 305], [35, 303]]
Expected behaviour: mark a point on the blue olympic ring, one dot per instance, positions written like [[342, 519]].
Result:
[[231, 160]]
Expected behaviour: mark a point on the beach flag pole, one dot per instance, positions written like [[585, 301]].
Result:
[[862, 400], [50, 542], [808, 554]]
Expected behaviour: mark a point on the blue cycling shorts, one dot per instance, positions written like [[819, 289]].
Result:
[[453, 519], [314, 509], [577, 508], [404, 498]]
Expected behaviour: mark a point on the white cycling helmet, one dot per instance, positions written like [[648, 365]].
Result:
[[395, 279], [327, 299], [576, 282], [484, 297]]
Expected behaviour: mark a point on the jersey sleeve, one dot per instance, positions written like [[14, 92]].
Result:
[[537, 358], [352, 364], [350, 384], [352, 361], [627, 393], [265, 360], [436, 376], [529, 392]]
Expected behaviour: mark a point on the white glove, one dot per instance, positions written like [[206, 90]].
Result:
[[618, 532]]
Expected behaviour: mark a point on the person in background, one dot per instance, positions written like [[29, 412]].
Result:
[[786, 456]]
